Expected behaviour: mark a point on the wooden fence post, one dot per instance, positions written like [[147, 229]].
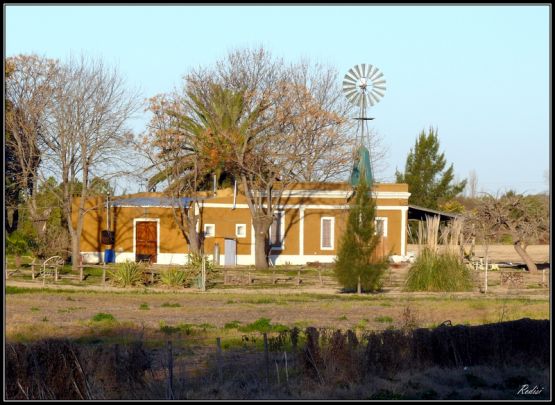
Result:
[[320, 276], [169, 393], [219, 359], [299, 277], [225, 276], [266, 358], [104, 274], [55, 273], [33, 269], [81, 272]]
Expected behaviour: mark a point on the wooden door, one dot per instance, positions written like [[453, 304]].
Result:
[[146, 241]]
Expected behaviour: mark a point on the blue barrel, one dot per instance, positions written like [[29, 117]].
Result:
[[108, 256]]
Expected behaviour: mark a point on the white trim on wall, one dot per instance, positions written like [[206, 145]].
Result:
[[332, 233], [301, 231], [135, 220], [309, 206], [404, 230]]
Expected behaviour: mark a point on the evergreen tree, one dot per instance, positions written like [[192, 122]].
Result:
[[429, 185], [357, 264]]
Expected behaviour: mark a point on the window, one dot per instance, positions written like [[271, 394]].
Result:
[[381, 226], [277, 230], [209, 230], [241, 230], [326, 233]]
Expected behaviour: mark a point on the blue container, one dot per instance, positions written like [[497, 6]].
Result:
[[108, 256]]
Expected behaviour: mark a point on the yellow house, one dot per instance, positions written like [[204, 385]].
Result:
[[309, 221]]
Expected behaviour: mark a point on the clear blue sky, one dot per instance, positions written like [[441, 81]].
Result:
[[480, 74]]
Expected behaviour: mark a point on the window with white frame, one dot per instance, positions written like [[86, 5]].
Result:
[[209, 230], [277, 230], [241, 230], [327, 233], [381, 226]]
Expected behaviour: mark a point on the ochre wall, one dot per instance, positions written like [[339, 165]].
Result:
[[225, 219]]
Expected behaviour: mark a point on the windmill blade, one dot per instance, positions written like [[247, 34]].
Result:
[[349, 79], [358, 70], [365, 101], [376, 78], [374, 98], [379, 93], [353, 74], [375, 73], [382, 88], [349, 85], [371, 72], [356, 99], [366, 68], [350, 94], [378, 82]]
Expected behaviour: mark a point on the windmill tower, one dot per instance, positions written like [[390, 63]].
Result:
[[364, 86]]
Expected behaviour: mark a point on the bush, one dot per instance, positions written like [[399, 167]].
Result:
[[175, 278], [17, 244], [128, 274], [438, 272]]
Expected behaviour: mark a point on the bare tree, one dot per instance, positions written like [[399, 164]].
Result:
[[86, 135], [29, 88], [521, 216], [472, 184]]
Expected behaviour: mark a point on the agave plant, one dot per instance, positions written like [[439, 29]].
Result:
[[175, 277], [128, 274]]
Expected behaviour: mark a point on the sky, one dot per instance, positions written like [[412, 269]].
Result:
[[479, 74]]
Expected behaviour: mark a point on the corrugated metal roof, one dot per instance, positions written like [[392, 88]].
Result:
[[153, 202]]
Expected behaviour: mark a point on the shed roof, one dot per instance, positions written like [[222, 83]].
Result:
[[420, 213]]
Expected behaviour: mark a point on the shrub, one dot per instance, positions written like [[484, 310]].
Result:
[[175, 278], [438, 272], [262, 325], [128, 274], [102, 316]]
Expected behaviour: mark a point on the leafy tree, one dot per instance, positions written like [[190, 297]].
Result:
[[429, 184], [357, 264]]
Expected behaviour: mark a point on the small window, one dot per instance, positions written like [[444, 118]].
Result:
[[381, 226], [327, 233], [277, 230], [209, 230], [241, 230]]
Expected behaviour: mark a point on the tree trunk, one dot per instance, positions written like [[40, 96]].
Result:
[[261, 227], [75, 251], [527, 259], [12, 226], [193, 237]]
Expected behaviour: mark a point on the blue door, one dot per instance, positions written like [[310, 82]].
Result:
[[230, 251]]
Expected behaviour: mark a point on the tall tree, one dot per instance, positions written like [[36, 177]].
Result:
[[429, 184], [86, 135], [357, 264], [29, 87]]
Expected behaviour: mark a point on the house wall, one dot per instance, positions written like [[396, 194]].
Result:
[[301, 212]]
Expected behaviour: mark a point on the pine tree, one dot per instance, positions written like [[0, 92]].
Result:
[[357, 265], [429, 185]]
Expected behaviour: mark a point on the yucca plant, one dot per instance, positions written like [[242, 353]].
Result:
[[175, 277], [434, 271], [128, 274]]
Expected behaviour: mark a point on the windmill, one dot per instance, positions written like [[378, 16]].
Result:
[[364, 86]]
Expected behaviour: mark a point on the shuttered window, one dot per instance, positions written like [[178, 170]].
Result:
[[277, 230], [326, 233], [381, 226]]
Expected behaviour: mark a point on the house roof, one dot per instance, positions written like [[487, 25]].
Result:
[[153, 202]]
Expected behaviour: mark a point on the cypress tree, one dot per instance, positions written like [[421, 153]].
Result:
[[357, 265]]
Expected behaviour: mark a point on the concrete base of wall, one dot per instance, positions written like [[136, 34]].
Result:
[[182, 258]]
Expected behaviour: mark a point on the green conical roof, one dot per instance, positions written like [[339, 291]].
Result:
[[361, 165]]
